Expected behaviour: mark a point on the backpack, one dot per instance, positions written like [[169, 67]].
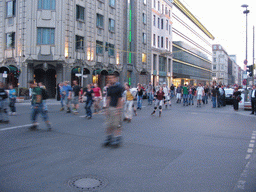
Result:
[[45, 95]]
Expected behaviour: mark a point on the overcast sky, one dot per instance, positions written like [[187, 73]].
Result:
[[227, 23]]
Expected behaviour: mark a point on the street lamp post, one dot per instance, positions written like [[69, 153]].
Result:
[[246, 11]]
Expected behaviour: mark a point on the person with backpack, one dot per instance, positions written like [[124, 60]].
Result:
[[12, 100], [45, 95], [37, 106], [3, 105]]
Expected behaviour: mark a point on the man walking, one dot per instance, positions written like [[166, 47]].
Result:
[[178, 94], [185, 95], [113, 113], [150, 93], [167, 99], [76, 97], [200, 92], [67, 95], [37, 106], [253, 100]]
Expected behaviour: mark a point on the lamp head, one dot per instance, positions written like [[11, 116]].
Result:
[[244, 5]]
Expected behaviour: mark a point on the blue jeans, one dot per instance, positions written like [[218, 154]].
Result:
[[3, 110], [214, 102], [36, 109], [206, 99], [139, 102], [172, 94], [150, 98], [185, 98], [190, 99], [12, 105], [88, 106], [62, 100]]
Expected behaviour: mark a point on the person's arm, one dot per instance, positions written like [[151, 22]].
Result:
[[100, 94]]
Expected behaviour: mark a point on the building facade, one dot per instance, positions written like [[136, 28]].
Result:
[[161, 69], [192, 48], [55, 41]]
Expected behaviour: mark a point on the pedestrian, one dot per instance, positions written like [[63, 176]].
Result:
[[214, 96], [12, 100], [178, 94], [89, 94], [67, 95], [159, 101], [185, 95], [128, 98], [253, 100], [191, 93], [206, 93], [104, 96], [97, 97], [236, 98], [37, 106], [44, 95], [139, 96], [172, 88], [76, 96], [113, 113], [167, 100], [3, 105], [61, 96], [150, 93], [200, 93]]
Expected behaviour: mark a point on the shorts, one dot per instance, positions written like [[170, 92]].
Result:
[[75, 100], [199, 97], [159, 103], [113, 118], [66, 100]]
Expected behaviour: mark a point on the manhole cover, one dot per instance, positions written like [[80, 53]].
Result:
[[87, 183]]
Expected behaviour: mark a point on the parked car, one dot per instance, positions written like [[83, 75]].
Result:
[[228, 95]]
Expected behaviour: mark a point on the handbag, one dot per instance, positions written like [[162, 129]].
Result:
[[238, 98]]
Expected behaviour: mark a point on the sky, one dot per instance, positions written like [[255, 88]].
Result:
[[225, 20]]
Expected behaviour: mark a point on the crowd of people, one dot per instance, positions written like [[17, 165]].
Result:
[[118, 101]]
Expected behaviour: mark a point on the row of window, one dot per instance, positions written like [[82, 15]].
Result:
[[162, 9], [160, 42], [162, 62], [160, 24]]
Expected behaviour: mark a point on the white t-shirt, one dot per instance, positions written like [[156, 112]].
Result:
[[200, 90], [165, 90]]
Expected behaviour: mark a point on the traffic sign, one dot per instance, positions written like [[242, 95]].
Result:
[[244, 82], [245, 62]]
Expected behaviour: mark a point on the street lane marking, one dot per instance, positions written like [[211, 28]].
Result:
[[251, 145], [253, 137], [249, 150], [247, 156], [16, 127], [252, 141]]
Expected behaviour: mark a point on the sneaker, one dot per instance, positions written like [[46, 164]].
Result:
[[153, 113], [33, 127], [68, 110], [108, 141], [159, 113], [14, 113], [129, 120], [116, 141], [62, 109], [125, 119]]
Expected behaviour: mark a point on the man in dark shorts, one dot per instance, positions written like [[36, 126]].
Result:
[[113, 113]]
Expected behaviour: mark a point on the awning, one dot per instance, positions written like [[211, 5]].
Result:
[[86, 71], [76, 70], [104, 72], [96, 72], [4, 68]]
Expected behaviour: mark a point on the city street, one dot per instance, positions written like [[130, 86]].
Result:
[[187, 149]]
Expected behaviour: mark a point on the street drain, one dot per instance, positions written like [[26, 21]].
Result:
[[87, 183]]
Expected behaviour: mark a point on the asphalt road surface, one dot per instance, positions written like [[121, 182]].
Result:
[[188, 149]]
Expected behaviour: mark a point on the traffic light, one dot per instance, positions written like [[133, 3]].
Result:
[[249, 70]]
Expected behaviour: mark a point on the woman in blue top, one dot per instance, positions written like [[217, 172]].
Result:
[[12, 99]]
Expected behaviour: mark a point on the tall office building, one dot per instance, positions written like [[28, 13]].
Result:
[[192, 48], [58, 40]]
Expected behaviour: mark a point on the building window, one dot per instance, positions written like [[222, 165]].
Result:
[[79, 43], [10, 40], [214, 59], [79, 13], [167, 42], [144, 58], [162, 24], [214, 67], [162, 8], [158, 23], [158, 5], [167, 25], [99, 47], [111, 50], [169, 65], [154, 39], [144, 18], [111, 25], [10, 8], [169, 13], [112, 3], [214, 52], [170, 29], [158, 41], [144, 38], [145, 2], [45, 36], [214, 74], [154, 20], [46, 4], [100, 21], [162, 64], [162, 42], [154, 61], [154, 3], [166, 11]]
